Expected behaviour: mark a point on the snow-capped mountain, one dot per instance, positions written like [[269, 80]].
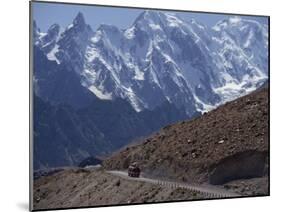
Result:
[[162, 57], [242, 46]]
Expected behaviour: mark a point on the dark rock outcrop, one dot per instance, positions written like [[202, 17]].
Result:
[[244, 165], [90, 161]]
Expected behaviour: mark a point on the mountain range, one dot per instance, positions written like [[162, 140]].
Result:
[[159, 70]]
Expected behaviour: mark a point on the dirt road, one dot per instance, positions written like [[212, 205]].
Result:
[[208, 190]]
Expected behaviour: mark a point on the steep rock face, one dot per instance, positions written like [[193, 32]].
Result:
[[144, 61], [120, 123], [61, 138], [50, 39], [47, 42], [90, 161], [58, 84], [250, 36], [195, 151], [244, 165], [73, 43], [64, 136], [243, 49]]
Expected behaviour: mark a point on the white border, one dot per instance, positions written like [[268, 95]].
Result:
[[14, 111]]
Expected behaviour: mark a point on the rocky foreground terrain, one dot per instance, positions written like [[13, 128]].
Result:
[[226, 144], [79, 187]]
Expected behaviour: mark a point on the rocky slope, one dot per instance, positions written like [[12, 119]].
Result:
[[82, 188], [228, 143], [249, 187]]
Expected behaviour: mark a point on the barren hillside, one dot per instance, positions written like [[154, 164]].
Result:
[[228, 143], [82, 188]]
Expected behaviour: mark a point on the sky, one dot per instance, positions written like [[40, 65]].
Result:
[[46, 14]]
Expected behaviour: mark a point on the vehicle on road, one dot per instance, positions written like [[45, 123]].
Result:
[[134, 170]]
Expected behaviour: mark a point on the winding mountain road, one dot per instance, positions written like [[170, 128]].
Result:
[[208, 190]]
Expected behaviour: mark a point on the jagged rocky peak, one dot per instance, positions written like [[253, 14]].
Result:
[[109, 34], [236, 22], [149, 17], [36, 32], [35, 27], [150, 14], [79, 19], [51, 35], [220, 25], [159, 17], [108, 28], [54, 29], [80, 26], [198, 25], [249, 34], [152, 22]]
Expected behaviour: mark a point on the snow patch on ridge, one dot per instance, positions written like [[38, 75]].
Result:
[[232, 90], [155, 26], [130, 33], [173, 21], [52, 54], [100, 94], [133, 99], [203, 107], [235, 20]]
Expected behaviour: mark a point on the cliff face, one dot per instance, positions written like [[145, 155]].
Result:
[[228, 143]]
